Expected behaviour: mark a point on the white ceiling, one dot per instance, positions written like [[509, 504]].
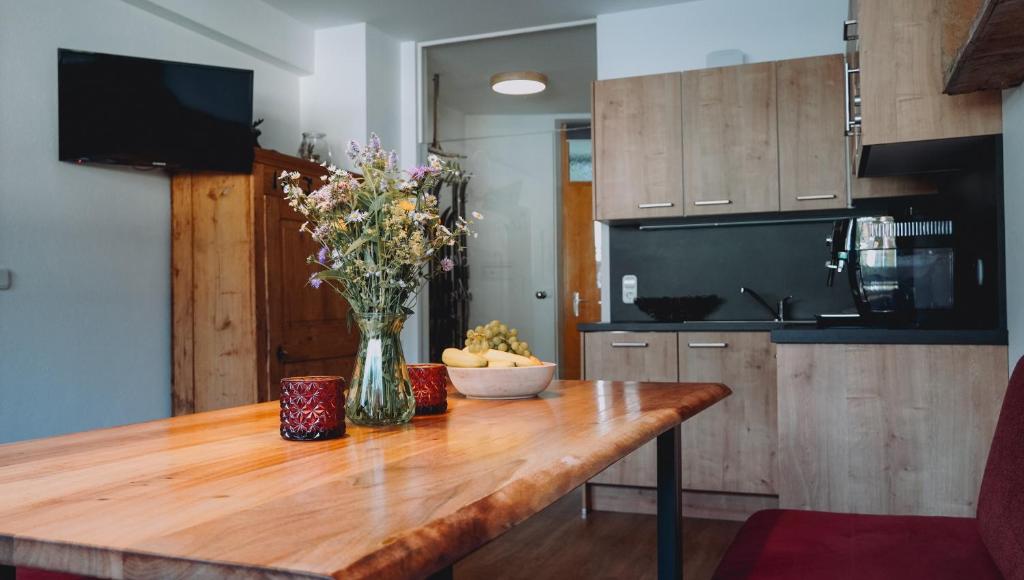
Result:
[[436, 19], [568, 57]]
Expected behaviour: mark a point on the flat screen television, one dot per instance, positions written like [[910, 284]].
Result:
[[139, 111]]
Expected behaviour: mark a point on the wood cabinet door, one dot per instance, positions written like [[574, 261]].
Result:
[[638, 147], [631, 356], [812, 154], [730, 143], [732, 446], [887, 429], [901, 79], [308, 331]]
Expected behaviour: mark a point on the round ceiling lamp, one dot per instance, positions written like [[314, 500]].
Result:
[[519, 83]]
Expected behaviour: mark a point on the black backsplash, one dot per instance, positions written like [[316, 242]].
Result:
[[776, 260]]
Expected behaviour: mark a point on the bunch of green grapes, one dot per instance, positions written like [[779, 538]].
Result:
[[498, 336]]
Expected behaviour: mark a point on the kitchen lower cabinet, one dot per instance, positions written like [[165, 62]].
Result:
[[631, 356], [730, 142], [732, 446], [886, 429]]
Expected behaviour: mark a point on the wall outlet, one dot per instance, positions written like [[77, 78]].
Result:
[[629, 289]]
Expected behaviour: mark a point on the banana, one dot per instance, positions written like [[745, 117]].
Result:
[[501, 364], [519, 361], [454, 357]]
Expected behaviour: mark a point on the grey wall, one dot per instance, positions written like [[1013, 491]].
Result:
[[1013, 184], [85, 331]]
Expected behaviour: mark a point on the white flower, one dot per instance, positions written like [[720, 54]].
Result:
[[477, 215], [434, 161], [356, 216]]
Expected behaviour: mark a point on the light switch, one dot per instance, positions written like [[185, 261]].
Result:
[[629, 289], [5, 279]]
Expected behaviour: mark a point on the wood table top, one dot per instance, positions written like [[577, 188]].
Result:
[[220, 493]]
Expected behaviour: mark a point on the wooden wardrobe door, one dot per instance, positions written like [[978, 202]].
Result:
[[308, 329]]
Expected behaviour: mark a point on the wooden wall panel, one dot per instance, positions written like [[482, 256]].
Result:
[[887, 429], [182, 316], [224, 289]]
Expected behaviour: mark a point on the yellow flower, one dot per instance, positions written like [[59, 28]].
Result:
[[341, 225], [407, 205]]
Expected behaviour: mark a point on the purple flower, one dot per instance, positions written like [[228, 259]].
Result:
[[353, 149], [314, 281], [374, 144], [447, 264], [321, 256], [392, 160]]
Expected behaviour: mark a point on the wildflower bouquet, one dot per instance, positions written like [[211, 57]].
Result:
[[378, 235]]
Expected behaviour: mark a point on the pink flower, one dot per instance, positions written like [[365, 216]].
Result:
[[447, 264]]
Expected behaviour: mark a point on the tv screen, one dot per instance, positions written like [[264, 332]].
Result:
[[138, 111]]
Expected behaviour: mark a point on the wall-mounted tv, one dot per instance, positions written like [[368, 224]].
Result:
[[139, 111]]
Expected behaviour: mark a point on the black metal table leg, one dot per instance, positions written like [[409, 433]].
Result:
[[670, 509], [7, 572], [442, 574]]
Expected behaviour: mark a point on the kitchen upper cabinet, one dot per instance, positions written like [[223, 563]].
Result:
[[901, 79], [732, 446], [631, 356], [886, 429], [812, 155], [730, 143], [638, 147]]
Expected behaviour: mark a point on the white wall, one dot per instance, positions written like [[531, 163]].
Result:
[[1013, 194], [679, 36], [85, 331], [514, 185]]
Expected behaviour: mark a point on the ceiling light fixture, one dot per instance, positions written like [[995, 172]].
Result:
[[519, 83]]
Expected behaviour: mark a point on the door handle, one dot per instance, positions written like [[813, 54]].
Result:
[[708, 344], [654, 205], [815, 197], [629, 345], [713, 202], [576, 304], [281, 354]]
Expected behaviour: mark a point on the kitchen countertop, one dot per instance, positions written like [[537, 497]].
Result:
[[808, 333]]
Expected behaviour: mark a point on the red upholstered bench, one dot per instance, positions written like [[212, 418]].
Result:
[[784, 544]]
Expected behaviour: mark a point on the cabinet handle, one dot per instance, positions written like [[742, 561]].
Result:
[[708, 344], [852, 121], [629, 345], [654, 205], [713, 202], [815, 197]]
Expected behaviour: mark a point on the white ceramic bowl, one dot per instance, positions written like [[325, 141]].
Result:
[[502, 383]]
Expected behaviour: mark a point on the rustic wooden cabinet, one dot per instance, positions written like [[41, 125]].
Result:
[[631, 356], [887, 429], [638, 147], [243, 315], [730, 142], [732, 446], [901, 78]]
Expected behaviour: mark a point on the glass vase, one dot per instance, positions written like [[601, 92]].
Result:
[[380, 393]]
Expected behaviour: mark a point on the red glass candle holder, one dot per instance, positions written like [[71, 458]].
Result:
[[312, 408], [430, 387]]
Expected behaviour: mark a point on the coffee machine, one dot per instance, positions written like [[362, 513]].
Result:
[[901, 273]]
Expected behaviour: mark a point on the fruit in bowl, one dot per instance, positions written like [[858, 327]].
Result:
[[496, 374]]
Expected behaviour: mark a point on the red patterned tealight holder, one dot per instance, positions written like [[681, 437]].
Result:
[[312, 408], [430, 386]]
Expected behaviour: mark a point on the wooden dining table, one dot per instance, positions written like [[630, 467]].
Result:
[[221, 494]]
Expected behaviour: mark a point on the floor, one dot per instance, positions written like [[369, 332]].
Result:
[[557, 543]]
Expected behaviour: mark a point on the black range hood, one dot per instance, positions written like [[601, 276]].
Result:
[[922, 157]]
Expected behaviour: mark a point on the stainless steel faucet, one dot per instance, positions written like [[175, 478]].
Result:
[[777, 315]]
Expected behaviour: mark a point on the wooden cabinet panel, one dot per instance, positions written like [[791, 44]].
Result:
[[732, 446], [638, 147], [890, 429], [730, 144], [901, 80], [631, 356], [812, 155]]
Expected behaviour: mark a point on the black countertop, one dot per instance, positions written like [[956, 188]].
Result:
[[809, 333]]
